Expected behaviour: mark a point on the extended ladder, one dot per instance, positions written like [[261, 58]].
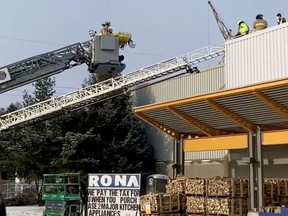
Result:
[[98, 91], [40, 66]]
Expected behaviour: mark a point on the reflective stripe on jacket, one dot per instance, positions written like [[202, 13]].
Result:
[[260, 24]]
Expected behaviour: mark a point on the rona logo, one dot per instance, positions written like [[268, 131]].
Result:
[[114, 180]]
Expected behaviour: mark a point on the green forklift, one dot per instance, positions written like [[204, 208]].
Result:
[[61, 193]]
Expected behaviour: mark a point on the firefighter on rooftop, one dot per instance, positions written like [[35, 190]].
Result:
[[105, 30], [243, 29], [280, 19], [260, 23]]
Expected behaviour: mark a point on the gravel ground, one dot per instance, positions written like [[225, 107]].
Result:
[[24, 210]]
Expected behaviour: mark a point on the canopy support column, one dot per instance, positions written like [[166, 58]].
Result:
[[260, 179], [179, 157], [252, 173], [182, 156]]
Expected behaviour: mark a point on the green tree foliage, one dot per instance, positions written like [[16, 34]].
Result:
[[107, 136], [44, 90], [112, 140], [29, 151], [9, 139], [104, 137]]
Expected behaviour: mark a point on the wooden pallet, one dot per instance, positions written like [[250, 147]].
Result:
[[163, 203]]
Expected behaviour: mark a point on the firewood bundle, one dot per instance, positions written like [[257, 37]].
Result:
[[231, 187], [195, 205], [176, 186], [163, 203], [226, 206], [195, 186], [276, 187], [270, 209], [276, 191]]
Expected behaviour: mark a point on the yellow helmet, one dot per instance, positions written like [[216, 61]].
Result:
[[239, 22]]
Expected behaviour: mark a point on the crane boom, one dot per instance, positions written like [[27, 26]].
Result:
[[99, 91], [225, 31], [44, 65]]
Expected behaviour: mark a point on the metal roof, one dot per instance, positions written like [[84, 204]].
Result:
[[231, 111]]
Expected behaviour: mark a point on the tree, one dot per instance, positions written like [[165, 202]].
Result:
[[8, 140], [13, 107], [42, 141], [105, 137], [32, 149], [103, 131], [44, 90], [110, 131]]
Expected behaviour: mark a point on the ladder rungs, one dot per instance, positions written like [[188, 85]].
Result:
[[99, 91]]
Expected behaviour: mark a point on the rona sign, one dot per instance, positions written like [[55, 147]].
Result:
[[114, 181], [113, 194]]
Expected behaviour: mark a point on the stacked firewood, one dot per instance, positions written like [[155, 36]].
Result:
[[195, 191], [227, 187], [276, 191], [270, 209], [176, 186], [227, 196], [195, 205], [163, 203], [227, 206], [222, 196], [195, 186]]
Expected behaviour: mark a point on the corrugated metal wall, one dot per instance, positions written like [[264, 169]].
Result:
[[206, 155], [207, 170], [181, 87], [176, 88], [258, 57]]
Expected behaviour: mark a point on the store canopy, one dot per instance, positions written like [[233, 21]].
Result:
[[229, 112]]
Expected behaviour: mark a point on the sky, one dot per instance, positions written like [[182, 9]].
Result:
[[161, 29]]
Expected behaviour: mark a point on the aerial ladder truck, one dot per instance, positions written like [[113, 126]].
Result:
[[100, 54]]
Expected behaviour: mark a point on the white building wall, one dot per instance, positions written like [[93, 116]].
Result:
[[257, 57]]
